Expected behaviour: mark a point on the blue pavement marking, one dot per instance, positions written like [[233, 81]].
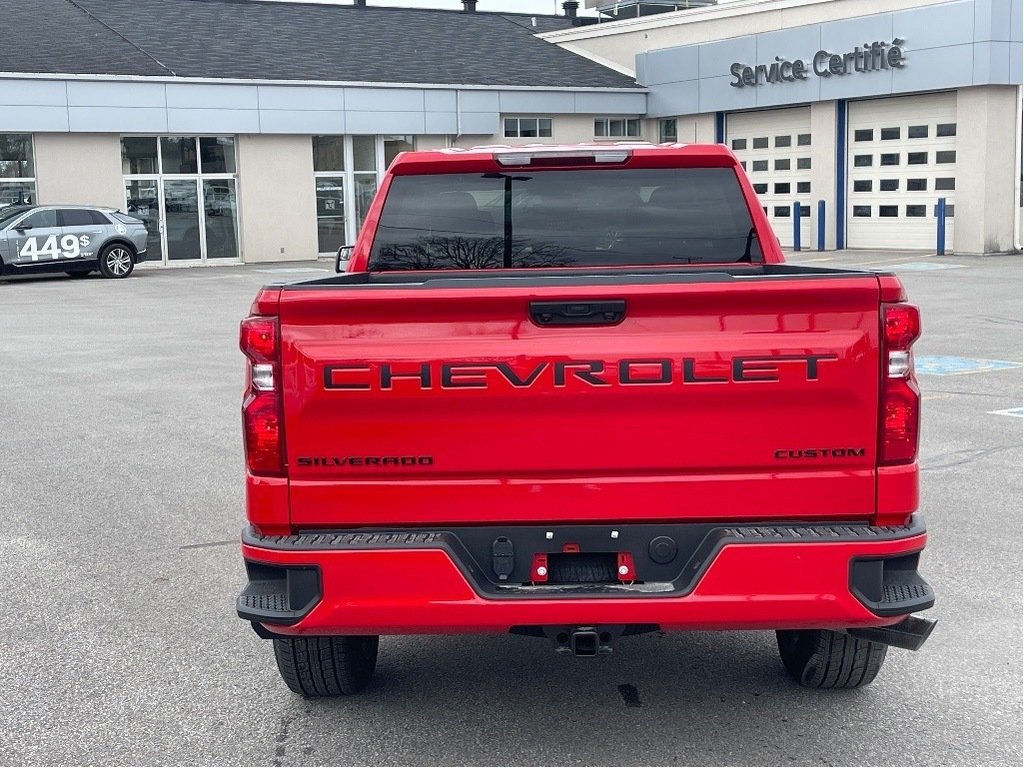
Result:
[[917, 266], [1018, 412], [947, 365]]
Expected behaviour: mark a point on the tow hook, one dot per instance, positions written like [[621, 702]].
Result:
[[583, 641]]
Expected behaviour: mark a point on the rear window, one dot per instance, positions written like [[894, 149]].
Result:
[[579, 218]]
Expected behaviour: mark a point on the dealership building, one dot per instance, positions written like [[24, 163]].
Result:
[[252, 130]]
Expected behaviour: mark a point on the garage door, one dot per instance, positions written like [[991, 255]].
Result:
[[774, 146], [902, 159]]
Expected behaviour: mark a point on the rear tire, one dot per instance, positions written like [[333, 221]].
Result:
[[117, 261], [326, 666], [821, 658]]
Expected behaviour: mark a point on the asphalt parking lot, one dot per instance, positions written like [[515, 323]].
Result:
[[121, 493]]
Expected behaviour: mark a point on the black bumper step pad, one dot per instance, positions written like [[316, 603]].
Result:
[[891, 586], [278, 595]]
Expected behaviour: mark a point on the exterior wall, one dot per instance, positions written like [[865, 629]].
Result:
[[99, 105], [79, 168], [949, 45], [985, 201], [972, 47], [432, 142], [824, 135], [704, 129], [619, 42], [690, 129], [277, 198], [565, 129]]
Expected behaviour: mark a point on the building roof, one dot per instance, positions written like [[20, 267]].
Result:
[[249, 39]]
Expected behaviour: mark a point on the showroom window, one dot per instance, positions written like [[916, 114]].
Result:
[[364, 176], [393, 145], [527, 127], [346, 172], [615, 127], [17, 170], [329, 174], [668, 131]]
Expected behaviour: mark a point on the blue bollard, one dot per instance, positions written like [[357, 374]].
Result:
[[940, 235], [796, 226], [821, 225]]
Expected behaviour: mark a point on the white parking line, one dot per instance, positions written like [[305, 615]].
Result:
[[1018, 412]]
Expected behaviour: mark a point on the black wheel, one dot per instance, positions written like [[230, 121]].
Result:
[[821, 658], [326, 666], [78, 273], [117, 261]]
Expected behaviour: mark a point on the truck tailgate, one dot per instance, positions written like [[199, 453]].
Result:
[[715, 397]]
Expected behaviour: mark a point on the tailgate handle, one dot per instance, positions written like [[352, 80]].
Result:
[[550, 313]]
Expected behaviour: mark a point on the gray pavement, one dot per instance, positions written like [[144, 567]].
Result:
[[121, 500]]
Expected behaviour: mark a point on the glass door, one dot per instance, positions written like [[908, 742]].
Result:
[[330, 213], [181, 219], [185, 190], [142, 198], [220, 204]]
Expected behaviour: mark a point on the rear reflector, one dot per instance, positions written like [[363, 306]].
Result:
[[901, 417], [261, 421]]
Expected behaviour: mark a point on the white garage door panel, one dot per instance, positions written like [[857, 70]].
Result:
[[774, 147], [901, 160]]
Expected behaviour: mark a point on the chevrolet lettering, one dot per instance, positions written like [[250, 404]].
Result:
[[563, 373]]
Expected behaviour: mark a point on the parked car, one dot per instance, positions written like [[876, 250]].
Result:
[[76, 239], [575, 393]]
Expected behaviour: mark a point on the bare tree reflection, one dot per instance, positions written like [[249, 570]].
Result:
[[468, 253]]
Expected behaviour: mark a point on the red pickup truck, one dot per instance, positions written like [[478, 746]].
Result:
[[575, 393]]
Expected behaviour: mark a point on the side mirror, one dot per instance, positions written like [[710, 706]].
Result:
[[22, 227], [344, 254]]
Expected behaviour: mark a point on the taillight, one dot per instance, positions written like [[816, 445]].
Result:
[[262, 419], [900, 416], [258, 338], [901, 325]]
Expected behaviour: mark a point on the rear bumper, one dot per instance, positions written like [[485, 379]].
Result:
[[726, 577]]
